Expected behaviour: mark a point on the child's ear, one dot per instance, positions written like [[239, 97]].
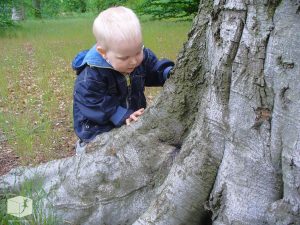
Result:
[[101, 51]]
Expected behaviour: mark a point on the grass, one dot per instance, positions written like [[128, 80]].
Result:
[[33, 190], [37, 80]]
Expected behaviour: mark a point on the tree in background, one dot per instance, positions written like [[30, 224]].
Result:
[[52, 8], [160, 9], [74, 6], [36, 4], [18, 10], [10, 11], [44, 9]]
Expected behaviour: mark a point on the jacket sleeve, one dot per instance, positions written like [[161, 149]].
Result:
[[95, 104], [157, 71]]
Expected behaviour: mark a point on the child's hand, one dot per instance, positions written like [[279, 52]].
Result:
[[134, 116]]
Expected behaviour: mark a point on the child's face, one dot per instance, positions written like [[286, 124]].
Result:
[[125, 56]]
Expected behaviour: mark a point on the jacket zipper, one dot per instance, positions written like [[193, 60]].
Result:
[[128, 83]]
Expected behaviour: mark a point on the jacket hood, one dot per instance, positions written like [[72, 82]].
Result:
[[93, 58], [90, 57]]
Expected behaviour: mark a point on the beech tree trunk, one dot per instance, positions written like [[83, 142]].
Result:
[[220, 145], [18, 13], [36, 4]]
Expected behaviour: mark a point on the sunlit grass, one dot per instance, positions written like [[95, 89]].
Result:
[[36, 85]]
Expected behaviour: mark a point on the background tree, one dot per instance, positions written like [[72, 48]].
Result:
[[37, 8], [221, 141], [18, 10], [53, 8], [169, 8], [74, 6]]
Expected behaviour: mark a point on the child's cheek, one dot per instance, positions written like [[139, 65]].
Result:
[[141, 59]]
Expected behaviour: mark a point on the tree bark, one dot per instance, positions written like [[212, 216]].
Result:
[[18, 11], [222, 141]]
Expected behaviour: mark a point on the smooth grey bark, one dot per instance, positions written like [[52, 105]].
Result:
[[258, 180], [221, 140], [18, 11]]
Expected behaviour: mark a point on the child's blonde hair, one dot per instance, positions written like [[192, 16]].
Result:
[[116, 24]]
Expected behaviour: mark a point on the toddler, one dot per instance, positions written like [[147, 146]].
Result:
[[109, 89]]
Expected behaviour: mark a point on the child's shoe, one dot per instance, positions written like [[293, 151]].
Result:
[[80, 147]]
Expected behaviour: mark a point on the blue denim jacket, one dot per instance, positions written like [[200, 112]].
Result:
[[103, 98]]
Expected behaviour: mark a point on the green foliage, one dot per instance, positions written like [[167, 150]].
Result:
[[37, 8], [5, 15], [74, 6], [42, 8], [160, 9], [5, 23], [51, 8], [134, 4], [99, 5]]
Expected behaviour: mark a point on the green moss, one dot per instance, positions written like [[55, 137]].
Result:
[[117, 183], [272, 6]]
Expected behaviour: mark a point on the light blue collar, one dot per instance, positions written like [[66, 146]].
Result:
[[93, 58]]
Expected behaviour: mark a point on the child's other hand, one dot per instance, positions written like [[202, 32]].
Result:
[[134, 116]]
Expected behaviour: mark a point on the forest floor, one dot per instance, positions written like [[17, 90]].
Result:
[[8, 158]]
